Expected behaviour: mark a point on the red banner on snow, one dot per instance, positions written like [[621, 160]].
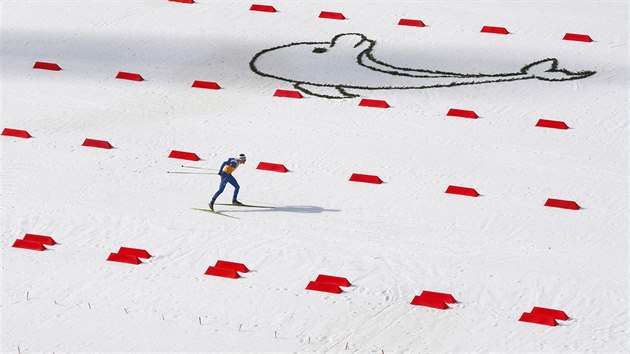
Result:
[[412, 23], [332, 15], [129, 76], [183, 155], [238, 267], [462, 113], [46, 240], [555, 124], [222, 272], [470, 192], [432, 295], [210, 85], [538, 319], [288, 93], [102, 144], [333, 280], [563, 204], [556, 314], [137, 252], [327, 288], [46, 66], [496, 30], [16, 133], [275, 167], [373, 103], [577, 37], [29, 245], [262, 8], [123, 258], [357, 177], [422, 301]]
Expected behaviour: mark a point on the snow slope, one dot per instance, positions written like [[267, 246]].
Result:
[[499, 254]]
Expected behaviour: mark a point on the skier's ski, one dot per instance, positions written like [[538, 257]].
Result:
[[246, 205], [215, 212]]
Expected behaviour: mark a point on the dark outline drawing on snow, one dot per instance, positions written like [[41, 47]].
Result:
[[545, 69]]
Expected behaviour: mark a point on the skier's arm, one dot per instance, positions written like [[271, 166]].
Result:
[[222, 166]]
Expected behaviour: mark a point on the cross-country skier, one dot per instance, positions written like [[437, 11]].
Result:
[[226, 170]]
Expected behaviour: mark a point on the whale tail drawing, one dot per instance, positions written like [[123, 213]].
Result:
[[547, 70], [351, 54]]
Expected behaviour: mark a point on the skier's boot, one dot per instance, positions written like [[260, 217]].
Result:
[[211, 205], [236, 202]]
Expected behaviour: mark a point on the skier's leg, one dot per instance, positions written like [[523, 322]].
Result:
[[236, 188], [224, 182]]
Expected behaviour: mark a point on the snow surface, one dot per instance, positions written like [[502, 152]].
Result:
[[499, 254]]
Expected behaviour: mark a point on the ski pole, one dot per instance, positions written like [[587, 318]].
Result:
[[200, 168], [192, 173]]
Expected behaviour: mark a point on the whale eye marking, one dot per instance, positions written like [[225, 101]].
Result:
[[319, 50]]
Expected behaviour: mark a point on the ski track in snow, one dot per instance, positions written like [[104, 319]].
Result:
[[499, 254]]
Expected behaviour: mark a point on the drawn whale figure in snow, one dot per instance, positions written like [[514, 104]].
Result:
[[346, 64]]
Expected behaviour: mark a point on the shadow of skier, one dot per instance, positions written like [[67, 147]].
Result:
[[301, 209]]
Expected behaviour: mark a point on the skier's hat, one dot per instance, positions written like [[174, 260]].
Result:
[[242, 157]]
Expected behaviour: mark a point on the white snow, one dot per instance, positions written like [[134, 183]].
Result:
[[499, 254]]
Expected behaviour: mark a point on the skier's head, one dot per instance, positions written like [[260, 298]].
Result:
[[242, 158]]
